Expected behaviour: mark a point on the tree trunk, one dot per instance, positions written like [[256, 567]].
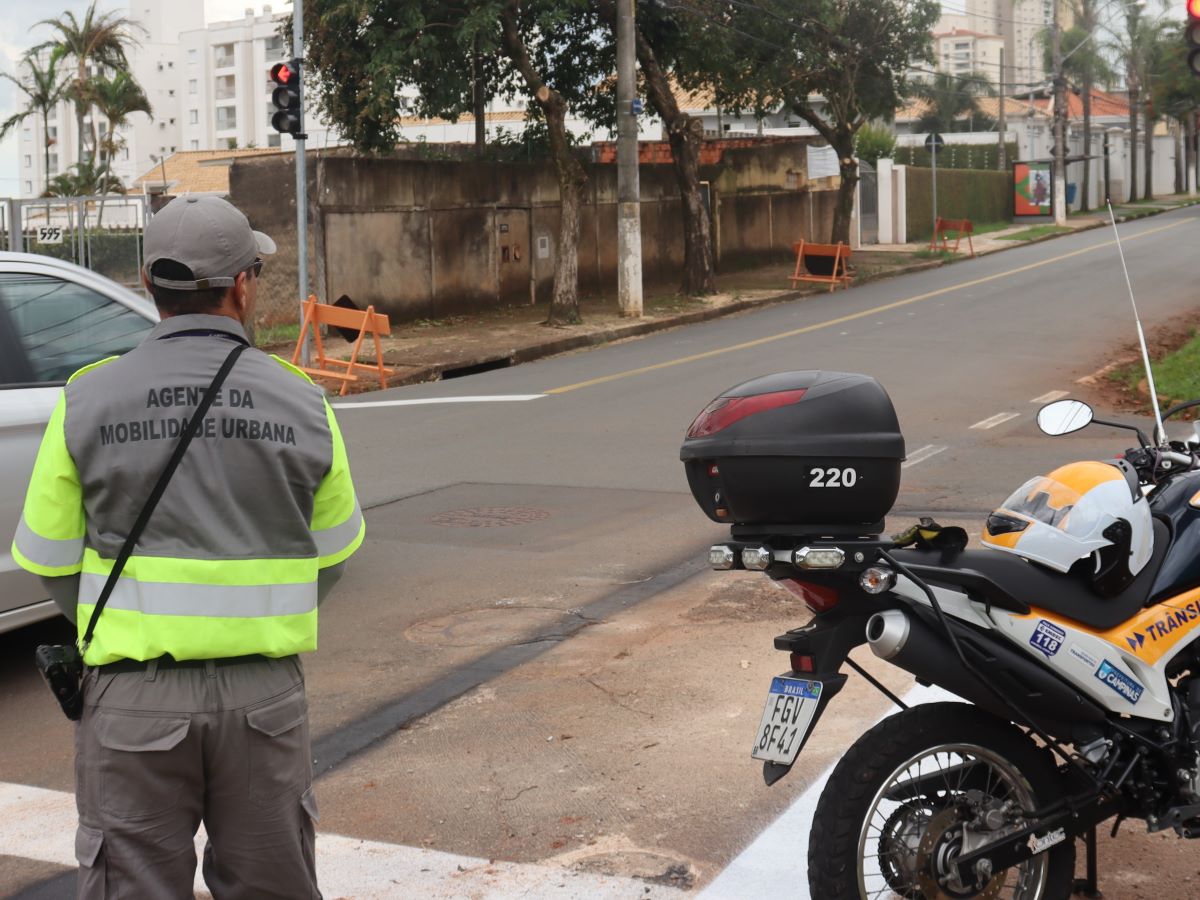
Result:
[[564, 301], [1148, 156], [46, 144], [1133, 143], [1087, 145], [843, 211], [685, 133], [698, 275], [1180, 165]]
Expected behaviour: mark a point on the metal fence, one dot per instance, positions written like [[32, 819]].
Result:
[[100, 233]]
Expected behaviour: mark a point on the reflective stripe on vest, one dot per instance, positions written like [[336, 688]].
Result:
[[200, 608], [47, 556]]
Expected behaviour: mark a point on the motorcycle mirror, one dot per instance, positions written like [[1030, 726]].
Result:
[[1064, 416]]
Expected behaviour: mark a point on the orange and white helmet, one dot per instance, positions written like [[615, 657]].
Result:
[[1078, 510]]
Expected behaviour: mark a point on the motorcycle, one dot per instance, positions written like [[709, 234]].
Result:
[[1081, 674]]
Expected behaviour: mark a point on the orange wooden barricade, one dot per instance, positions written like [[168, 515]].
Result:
[[821, 263], [960, 227], [363, 321]]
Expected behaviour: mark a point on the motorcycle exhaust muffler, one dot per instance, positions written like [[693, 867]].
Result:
[[909, 642]]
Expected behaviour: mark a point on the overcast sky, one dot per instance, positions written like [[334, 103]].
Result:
[[18, 32]]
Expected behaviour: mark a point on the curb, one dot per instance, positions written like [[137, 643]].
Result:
[[436, 372]]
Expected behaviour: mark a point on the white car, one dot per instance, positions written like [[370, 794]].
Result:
[[55, 317]]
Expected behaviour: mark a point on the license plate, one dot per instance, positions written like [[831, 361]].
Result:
[[786, 720]]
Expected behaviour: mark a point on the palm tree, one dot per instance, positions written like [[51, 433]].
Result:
[[43, 88], [1086, 64], [98, 39], [953, 102], [116, 99], [83, 180]]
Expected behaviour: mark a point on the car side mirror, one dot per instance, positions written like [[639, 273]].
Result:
[[1064, 416]]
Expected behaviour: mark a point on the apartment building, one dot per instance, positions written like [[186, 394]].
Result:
[[143, 139], [208, 86], [225, 86], [961, 51], [1018, 23]]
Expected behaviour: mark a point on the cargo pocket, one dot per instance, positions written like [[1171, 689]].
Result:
[[278, 747], [89, 842], [139, 775]]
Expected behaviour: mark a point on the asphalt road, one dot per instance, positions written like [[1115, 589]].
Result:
[[528, 660]]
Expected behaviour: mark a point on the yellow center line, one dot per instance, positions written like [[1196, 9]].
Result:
[[874, 311]]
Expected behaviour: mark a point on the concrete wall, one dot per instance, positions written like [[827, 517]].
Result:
[[425, 239]]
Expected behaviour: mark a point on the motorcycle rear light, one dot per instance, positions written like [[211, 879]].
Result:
[[819, 557], [724, 411], [713, 471], [816, 597], [877, 579], [721, 557], [803, 663], [757, 558]]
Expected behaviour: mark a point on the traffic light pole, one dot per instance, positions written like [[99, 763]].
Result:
[[301, 181]]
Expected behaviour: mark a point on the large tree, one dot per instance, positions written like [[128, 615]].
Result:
[[852, 54], [553, 52], [674, 49], [96, 41], [43, 85]]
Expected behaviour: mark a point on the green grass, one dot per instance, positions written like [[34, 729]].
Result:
[[1036, 231], [1176, 375], [277, 334], [935, 254], [989, 227]]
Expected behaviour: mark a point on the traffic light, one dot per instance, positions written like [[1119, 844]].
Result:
[[1192, 35], [286, 96]]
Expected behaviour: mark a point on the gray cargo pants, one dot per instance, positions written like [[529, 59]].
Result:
[[159, 751]]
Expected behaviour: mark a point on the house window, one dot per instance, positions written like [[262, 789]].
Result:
[[193, 117], [273, 139], [273, 47], [194, 145], [53, 164], [192, 57], [29, 187], [171, 92], [192, 85], [226, 87], [223, 55], [52, 133], [28, 160], [226, 118], [27, 133]]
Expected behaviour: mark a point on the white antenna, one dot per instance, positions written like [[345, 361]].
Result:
[[1160, 434]]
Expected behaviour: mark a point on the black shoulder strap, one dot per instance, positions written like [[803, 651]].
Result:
[[194, 425]]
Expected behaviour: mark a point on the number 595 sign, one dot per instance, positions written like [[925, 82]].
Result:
[[49, 234]]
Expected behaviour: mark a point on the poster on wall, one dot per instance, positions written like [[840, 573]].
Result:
[[1031, 189]]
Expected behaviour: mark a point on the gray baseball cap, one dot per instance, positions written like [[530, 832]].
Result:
[[209, 236]]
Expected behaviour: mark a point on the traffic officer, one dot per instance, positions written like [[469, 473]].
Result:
[[194, 703]]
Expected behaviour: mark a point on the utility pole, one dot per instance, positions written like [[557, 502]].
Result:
[[629, 217], [301, 177], [1000, 160], [477, 101], [1060, 160]]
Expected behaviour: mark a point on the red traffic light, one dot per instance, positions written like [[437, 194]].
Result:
[[288, 73], [1193, 9]]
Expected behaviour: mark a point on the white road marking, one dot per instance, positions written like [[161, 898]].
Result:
[[921, 455], [424, 401], [997, 419], [39, 824], [1051, 397], [775, 863]]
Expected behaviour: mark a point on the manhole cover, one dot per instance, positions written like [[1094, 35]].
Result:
[[493, 626], [489, 516]]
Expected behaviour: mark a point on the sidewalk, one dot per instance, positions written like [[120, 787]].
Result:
[[431, 350]]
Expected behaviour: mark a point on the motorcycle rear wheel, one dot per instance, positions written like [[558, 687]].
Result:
[[876, 837]]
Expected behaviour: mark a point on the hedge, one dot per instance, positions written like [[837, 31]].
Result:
[[977, 195], [956, 156], [113, 253]]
